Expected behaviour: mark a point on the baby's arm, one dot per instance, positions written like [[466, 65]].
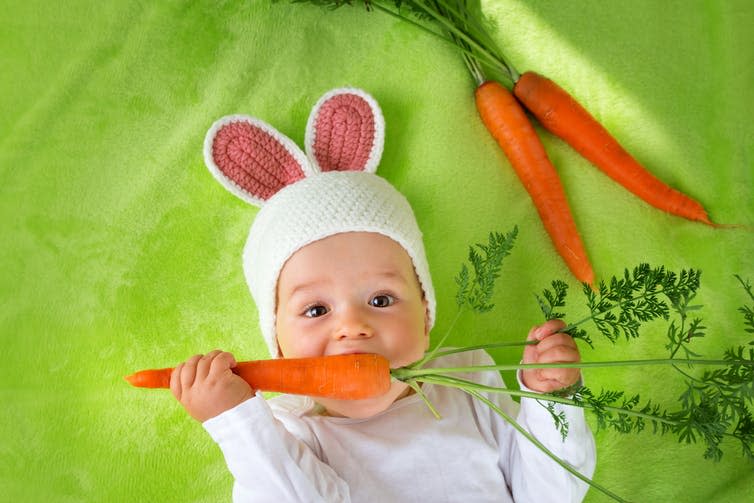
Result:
[[268, 463], [206, 385], [530, 474], [541, 479]]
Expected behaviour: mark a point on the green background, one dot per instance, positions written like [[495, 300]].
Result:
[[120, 251]]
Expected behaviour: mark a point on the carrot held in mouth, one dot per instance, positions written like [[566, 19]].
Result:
[[343, 377]]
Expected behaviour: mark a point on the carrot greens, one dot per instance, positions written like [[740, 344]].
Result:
[[714, 407], [640, 295], [485, 260]]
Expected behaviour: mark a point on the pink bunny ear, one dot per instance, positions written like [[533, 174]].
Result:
[[345, 132], [252, 159]]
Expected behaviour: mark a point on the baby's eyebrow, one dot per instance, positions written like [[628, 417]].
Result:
[[388, 274], [302, 287], [392, 274]]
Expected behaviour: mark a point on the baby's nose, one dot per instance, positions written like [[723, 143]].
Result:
[[352, 324]]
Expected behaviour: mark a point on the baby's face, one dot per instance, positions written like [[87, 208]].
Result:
[[353, 292]]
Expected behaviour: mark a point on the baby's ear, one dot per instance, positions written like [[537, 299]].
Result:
[[345, 132], [252, 159]]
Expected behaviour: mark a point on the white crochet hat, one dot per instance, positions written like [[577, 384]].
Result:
[[304, 199]]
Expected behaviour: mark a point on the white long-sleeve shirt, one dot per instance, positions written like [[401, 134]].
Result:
[[282, 449]]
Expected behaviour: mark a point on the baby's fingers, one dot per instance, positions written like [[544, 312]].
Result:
[[546, 329], [204, 365], [557, 348], [175, 381], [223, 361], [557, 378], [188, 372]]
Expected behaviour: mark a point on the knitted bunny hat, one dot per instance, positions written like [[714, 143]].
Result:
[[306, 197]]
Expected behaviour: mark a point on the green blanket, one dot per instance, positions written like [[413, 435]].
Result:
[[121, 252]]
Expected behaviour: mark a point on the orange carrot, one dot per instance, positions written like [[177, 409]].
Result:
[[559, 113], [509, 125], [345, 377]]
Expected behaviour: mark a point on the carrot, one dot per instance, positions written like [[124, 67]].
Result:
[[560, 114], [345, 377], [509, 125], [462, 23]]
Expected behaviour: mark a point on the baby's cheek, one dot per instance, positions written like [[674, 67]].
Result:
[[309, 344], [407, 356], [300, 349]]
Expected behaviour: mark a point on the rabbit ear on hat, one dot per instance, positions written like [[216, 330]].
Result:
[[345, 132], [252, 159]]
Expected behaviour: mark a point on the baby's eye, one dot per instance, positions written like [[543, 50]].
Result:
[[381, 301], [315, 311]]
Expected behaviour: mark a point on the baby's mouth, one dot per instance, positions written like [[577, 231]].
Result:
[[355, 351]]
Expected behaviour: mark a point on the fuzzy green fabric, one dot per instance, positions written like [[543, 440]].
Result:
[[121, 252]]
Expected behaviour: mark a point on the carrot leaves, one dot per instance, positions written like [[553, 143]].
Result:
[[475, 291], [458, 22], [713, 408], [747, 311], [622, 305], [476, 284]]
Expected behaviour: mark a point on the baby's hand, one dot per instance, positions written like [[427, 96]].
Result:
[[553, 347], [206, 386]]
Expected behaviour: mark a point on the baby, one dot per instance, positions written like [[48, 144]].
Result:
[[336, 264]]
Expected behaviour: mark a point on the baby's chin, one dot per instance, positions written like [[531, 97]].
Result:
[[362, 409]]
